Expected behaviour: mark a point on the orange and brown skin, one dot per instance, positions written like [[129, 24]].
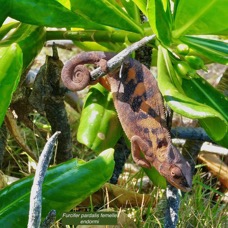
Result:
[[140, 108]]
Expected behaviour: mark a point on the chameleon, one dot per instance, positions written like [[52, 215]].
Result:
[[141, 112]]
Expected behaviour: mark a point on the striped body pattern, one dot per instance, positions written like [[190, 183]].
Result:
[[140, 109]]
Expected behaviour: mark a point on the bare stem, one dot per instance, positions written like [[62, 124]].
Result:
[[36, 191], [117, 60], [193, 133], [173, 204]]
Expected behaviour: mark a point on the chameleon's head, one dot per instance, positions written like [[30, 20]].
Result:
[[177, 171]]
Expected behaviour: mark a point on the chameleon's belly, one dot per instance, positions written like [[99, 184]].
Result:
[[139, 103]]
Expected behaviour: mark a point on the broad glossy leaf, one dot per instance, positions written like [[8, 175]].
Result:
[[64, 187], [105, 12], [4, 10], [200, 17], [30, 38], [159, 19], [142, 4], [212, 49], [207, 107], [99, 126], [50, 13], [131, 9], [11, 63], [7, 27], [200, 90]]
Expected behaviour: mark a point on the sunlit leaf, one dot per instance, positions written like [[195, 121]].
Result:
[[200, 17], [99, 126], [159, 20], [213, 49], [106, 13], [197, 104], [64, 187]]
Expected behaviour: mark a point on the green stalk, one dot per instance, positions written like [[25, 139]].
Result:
[[97, 36]]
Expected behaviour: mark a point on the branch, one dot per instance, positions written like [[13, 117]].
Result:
[[36, 191], [190, 133], [117, 60], [3, 138], [173, 204]]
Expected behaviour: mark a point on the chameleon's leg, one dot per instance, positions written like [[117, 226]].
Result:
[[138, 146]]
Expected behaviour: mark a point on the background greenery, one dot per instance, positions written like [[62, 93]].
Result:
[[112, 26]]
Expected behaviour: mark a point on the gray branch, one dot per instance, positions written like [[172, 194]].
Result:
[[196, 133], [173, 204], [117, 60], [36, 191]]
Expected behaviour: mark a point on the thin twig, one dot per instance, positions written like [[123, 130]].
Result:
[[173, 204], [117, 60], [3, 139], [36, 191]]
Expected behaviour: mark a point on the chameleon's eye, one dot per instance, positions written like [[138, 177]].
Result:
[[176, 172]]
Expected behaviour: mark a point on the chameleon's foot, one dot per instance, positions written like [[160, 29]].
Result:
[[75, 78], [138, 145], [142, 162]]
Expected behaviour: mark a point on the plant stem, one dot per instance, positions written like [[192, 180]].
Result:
[[118, 59], [36, 191], [173, 204], [96, 36]]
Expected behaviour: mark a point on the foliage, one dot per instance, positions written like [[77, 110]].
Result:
[[187, 19], [69, 177], [174, 23]]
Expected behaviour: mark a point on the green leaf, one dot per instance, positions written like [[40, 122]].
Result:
[[11, 63], [159, 19], [50, 13], [4, 10], [64, 187], [142, 4], [157, 179], [200, 17], [131, 9], [99, 126], [213, 49], [30, 38], [200, 90], [107, 13], [203, 103], [7, 27]]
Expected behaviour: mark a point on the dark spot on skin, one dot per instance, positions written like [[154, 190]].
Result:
[[156, 131], [149, 143], [146, 130], [129, 89], [161, 142], [143, 115], [152, 113], [136, 103]]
